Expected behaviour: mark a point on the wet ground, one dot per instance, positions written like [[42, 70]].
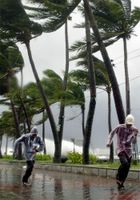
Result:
[[62, 186]]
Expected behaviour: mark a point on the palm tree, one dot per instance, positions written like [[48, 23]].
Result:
[[0, 145], [120, 105], [11, 62], [35, 105], [64, 87], [19, 27], [25, 37], [102, 82], [53, 12], [101, 46], [53, 86], [43, 130], [92, 86], [74, 94], [58, 12], [118, 101], [23, 110], [112, 77], [7, 124], [116, 93], [118, 19]]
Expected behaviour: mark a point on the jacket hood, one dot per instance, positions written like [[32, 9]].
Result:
[[129, 119], [34, 130]]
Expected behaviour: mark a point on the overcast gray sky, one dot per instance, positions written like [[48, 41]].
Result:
[[49, 53]]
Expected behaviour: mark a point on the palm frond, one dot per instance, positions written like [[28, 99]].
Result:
[[55, 13]]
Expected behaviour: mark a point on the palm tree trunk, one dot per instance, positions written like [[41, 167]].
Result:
[[6, 145], [57, 156], [88, 129], [25, 113], [92, 104], [22, 103], [112, 77], [83, 119], [0, 146], [43, 133], [127, 85], [16, 120], [62, 104], [21, 81], [111, 156]]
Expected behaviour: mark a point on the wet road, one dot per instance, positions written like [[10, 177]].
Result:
[[62, 186]]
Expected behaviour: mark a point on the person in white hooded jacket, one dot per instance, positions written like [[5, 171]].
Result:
[[126, 136], [32, 144]]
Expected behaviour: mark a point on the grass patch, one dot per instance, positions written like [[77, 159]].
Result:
[[76, 158]]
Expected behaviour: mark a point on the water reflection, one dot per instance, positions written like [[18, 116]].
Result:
[[128, 195], [113, 193], [58, 189], [86, 190], [60, 186]]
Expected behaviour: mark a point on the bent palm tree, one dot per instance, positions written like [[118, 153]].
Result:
[[112, 77], [118, 19], [54, 13], [102, 82], [73, 95], [58, 12], [19, 27], [11, 62]]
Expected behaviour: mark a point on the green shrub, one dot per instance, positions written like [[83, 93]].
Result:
[[134, 162], [93, 159], [43, 157], [75, 157], [7, 157]]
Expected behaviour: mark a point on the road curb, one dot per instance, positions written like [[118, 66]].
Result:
[[78, 169]]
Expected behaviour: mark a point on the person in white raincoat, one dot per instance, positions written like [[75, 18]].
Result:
[[126, 136], [32, 145]]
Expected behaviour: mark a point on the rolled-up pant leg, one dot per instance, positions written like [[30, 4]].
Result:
[[28, 172], [124, 167]]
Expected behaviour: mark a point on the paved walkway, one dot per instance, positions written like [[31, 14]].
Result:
[[62, 186]]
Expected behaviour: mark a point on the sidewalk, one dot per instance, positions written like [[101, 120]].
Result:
[[52, 185]]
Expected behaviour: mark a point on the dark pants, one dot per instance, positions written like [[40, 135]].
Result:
[[28, 172], [124, 167]]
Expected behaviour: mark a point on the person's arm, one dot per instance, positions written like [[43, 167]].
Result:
[[110, 137], [41, 145], [136, 131], [134, 139]]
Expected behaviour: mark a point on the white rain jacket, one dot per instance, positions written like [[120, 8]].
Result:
[[30, 146]]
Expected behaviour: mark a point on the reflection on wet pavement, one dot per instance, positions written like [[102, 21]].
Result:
[[61, 186]]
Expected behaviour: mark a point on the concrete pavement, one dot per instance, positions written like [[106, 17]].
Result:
[[51, 185]]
